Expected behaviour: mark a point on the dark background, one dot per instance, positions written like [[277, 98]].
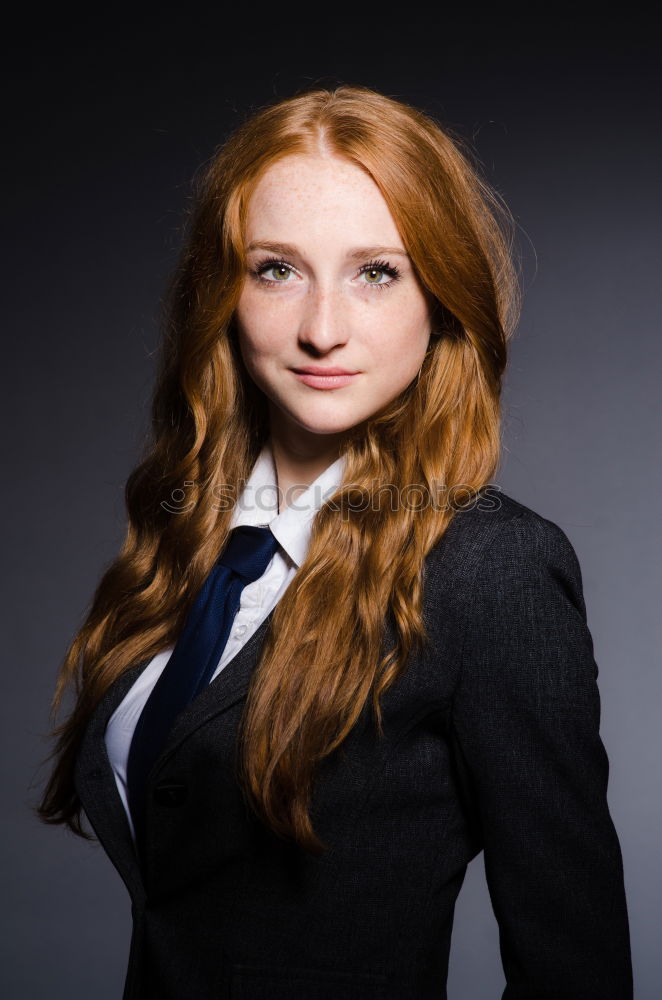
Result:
[[105, 121]]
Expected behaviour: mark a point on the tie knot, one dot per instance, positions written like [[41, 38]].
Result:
[[249, 551]]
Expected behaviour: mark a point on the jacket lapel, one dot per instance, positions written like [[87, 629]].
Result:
[[94, 778], [231, 686], [226, 690], [95, 784]]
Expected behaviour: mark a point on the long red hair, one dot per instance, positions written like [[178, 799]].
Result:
[[321, 658]]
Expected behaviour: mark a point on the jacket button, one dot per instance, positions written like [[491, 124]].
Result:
[[170, 793]]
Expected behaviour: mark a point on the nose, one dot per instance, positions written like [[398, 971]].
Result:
[[324, 323]]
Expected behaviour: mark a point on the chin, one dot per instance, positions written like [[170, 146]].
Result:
[[326, 428], [329, 424]]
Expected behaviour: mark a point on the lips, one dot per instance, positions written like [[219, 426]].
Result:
[[325, 378], [314, 370]]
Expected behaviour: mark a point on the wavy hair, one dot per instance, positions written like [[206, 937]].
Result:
[[321, 659]]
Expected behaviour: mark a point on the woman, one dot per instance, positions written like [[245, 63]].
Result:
[[378, 665]]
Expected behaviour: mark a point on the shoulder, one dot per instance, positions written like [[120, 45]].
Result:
[[524, 632], [498, 543]]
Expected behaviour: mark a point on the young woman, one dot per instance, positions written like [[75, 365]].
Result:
[[332, 663]]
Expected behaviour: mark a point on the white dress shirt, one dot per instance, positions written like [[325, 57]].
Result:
[[257, 505]]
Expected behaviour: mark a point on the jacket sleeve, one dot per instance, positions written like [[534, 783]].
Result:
[[526, 716]]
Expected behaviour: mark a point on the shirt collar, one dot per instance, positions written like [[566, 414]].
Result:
[[258, 504]]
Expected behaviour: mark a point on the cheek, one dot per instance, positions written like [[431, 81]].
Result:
[[261, 334], [400, 341]]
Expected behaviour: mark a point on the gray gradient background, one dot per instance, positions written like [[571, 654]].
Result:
[[108, 122]]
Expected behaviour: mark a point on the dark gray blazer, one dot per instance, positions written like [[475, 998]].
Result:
[[491, 743]]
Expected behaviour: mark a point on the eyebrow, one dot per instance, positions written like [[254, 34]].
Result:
[[357, 253]]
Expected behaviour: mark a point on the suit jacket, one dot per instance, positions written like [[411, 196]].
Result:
[[491, 743]]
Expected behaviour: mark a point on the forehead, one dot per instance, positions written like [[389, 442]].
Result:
[[304, 195]]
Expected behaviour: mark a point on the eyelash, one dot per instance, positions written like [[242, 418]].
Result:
[[373, 265]]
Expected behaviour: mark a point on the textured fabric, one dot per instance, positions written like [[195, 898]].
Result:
[[491, 743], [247, 553]]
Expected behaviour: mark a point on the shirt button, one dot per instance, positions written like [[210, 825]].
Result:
[[238, 632]]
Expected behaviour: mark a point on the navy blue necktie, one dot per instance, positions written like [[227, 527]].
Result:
[[196, 654]]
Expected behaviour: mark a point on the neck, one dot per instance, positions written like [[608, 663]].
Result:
[[299, 459]]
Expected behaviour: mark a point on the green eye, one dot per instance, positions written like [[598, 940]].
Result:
[[272, 265], [282, 268], [381, 267]]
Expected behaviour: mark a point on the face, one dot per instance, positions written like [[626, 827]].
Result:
[[329, 289]]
